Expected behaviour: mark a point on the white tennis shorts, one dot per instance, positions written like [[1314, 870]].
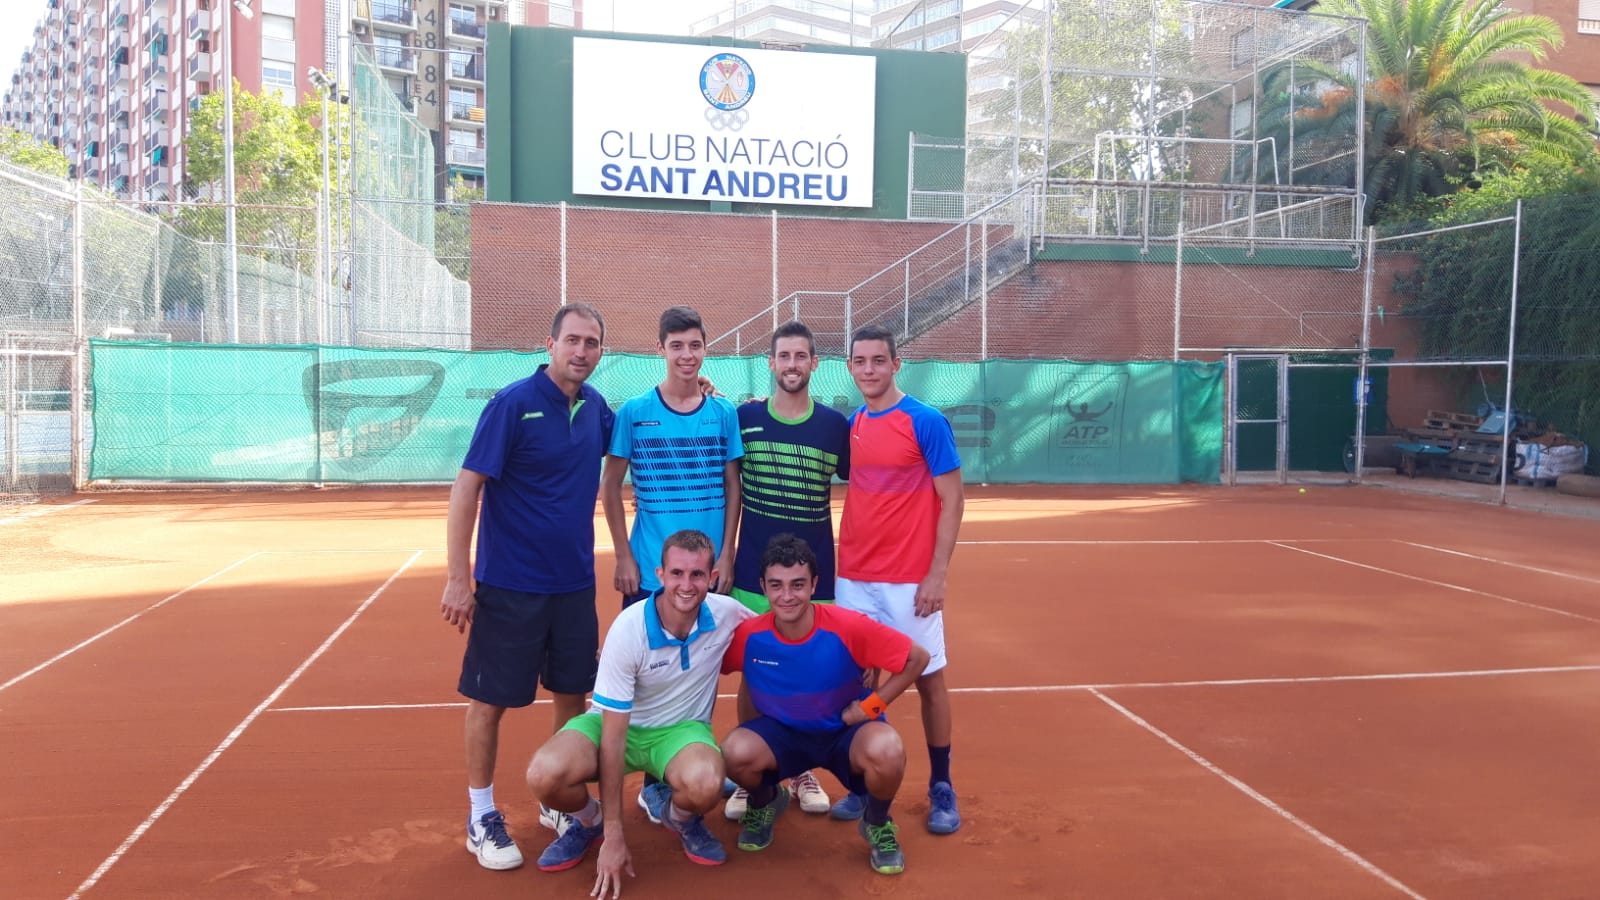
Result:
[[895, 605]]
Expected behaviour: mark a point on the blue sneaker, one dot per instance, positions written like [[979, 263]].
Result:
[[943, 816], [699, 844], [654, 800], [567, 850], [885, 855], [849, 807]]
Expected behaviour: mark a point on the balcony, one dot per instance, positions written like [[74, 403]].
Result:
[[469, 157], [466, 66], [395, 14], [156, 107], [200, 67], [156, 32], [466, 113], [471, 31], [156, 7], [157, 68], [398, 58], [199, 24], [158, 137]]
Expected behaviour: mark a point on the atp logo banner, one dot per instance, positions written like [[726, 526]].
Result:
[[701, 122], [1088, 419]]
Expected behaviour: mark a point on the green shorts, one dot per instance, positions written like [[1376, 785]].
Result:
[[758, 602], [648, 749]]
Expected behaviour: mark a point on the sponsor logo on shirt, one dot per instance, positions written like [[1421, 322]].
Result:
[[764, 662], [646, 423], [532, 415], [658, 664], [753, 429]]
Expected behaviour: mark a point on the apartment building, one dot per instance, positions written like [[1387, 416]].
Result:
[[112, 83], [431, 53]]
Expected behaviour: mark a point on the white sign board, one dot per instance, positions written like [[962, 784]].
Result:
[[699, 122]]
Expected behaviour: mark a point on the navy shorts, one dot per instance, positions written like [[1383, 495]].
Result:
[[799, 751], [630, 599], [519, 640]]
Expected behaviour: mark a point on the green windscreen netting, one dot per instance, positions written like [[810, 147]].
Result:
[[296, 414]]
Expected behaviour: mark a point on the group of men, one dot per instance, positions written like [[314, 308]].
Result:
[[729, 567]]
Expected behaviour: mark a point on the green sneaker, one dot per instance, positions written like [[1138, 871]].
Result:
[[886, 857], [755, 826]]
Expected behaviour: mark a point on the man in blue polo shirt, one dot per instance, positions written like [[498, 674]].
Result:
[[535, 459]]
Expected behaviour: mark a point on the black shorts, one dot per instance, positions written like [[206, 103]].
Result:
[[799, 751], [518, 641]]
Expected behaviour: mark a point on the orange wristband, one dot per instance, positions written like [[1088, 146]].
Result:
[[873, 705]]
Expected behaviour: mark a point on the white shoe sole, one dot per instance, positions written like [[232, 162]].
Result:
[[502, 864]]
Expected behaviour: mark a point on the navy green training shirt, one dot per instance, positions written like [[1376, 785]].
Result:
[[785, 479]]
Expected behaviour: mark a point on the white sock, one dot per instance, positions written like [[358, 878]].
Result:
[[482, 801], [678, 815], [589, 816]]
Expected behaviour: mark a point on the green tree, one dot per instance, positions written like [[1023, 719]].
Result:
[[24, 150], [1445, 95]]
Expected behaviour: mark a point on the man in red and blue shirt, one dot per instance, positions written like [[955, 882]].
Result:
[[902, 514], [804, 665]]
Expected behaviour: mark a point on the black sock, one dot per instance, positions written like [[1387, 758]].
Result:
[[877, 810], [763, 796], [650, 779], [938, 764]]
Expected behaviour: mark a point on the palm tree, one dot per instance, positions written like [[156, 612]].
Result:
[[1445, 91]]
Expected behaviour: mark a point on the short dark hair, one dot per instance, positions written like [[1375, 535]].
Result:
[[690, 540], [578, 308], [787, 550], [679, 318], [872, 333], [794, 328]]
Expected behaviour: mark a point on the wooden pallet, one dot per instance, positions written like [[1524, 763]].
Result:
[[1534, 482], [1451, 421]]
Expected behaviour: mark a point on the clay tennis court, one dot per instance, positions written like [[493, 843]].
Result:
[[1184, 692]]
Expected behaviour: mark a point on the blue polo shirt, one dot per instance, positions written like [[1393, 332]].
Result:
[[542, 459]]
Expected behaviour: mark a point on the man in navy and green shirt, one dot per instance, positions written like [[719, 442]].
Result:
[[529, 601]]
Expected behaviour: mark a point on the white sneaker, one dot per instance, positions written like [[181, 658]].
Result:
[[813, 799], [738, 802], [488, 840], [554, 819]]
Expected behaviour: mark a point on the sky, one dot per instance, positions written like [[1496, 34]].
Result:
[[17, 18]]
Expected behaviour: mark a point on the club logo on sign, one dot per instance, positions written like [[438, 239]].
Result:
[[727, 81]]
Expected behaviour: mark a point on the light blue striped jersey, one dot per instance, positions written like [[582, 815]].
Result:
[[676, 461]]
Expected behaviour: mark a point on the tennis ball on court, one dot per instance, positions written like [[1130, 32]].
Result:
[[1302, 490]]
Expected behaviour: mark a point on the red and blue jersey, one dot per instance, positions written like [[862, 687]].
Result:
[[807, 684], [891, 511]]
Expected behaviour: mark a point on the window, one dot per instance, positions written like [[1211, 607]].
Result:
[[1243, 47], [459, 138], [461, 102], [278, 77], [277, 38], [1243, 112], [463, 15], [1589, 16]]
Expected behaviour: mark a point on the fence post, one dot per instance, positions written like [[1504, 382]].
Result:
[[983, 287], [1363, 359], [905, 302], [1510, 417], [563, 253], [775, 275], [80, 346], [849, 327], [1177, 285]]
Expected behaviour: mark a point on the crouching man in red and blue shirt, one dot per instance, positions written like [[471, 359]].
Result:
[[805, 705]]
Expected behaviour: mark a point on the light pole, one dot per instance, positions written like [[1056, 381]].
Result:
[[231, 214]]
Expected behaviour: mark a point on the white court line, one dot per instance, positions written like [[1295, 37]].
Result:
[[1501, 562], [234, 735], [157, 605], [1443, 584], [43, 511], [1264, 800], [1061, 688]]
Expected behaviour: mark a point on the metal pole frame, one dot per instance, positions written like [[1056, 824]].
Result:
[[228, 188], [775, 270], [80, 345], [1511, 354], [1177, 284], [563, 252], [983, 287], [1366, 355]]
